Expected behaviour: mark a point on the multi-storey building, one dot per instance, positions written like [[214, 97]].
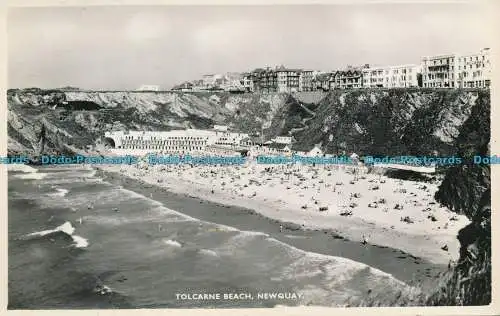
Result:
[[321, 81], [400, 76], [375, 77], [457, 70], [348, 79], [288, 79], [403, 76], [247, 84], [474, 71], [306, 80], [264, 80], [439, 71]]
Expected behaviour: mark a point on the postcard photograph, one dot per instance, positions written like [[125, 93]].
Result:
[[255, 156]]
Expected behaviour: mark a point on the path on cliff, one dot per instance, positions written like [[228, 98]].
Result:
[[304, 120]]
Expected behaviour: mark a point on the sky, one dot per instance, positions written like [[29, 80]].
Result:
[[121, 48]]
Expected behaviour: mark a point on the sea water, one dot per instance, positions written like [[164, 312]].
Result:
[[76, 241]]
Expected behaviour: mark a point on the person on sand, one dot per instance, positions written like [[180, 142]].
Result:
[[365, 241], [281, 228]]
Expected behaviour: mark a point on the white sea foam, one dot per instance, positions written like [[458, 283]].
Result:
[[209, 252], [338, 261], [60, 192], [70, 180], [244, 233], [295, 237], [68, 229], [31, 176], [80, 242], [21, 168], [172, 243], [65, 228]]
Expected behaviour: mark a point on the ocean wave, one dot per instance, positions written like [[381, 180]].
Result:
[[115, 220], [240, 241], [296, 237], [31, 176], [339, 260], [60, 192], [21, 168], [70, 180], [252, 233], [67, 229], [208, 252], [172, 243], [80, 242], [343, 280]]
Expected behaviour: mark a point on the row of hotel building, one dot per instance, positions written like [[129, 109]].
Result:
[[442, 71], [219, 139]]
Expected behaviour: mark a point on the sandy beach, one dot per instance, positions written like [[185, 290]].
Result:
[[351, 202]]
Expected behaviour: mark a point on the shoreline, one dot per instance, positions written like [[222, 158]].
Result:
[[403, 266], [284, 201]]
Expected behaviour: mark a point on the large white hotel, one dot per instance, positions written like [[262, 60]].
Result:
[[457, 71], [401, 76], [191, 140]]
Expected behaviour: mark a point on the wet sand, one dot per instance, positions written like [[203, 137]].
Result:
[[403, 266]]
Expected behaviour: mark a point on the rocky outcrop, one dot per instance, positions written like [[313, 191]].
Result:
[[78, 118], [366, 121], [390, 121], [466, 189]]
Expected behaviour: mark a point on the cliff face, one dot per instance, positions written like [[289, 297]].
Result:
[[390, 121], [77, 119], [386, 122], [466, 189]]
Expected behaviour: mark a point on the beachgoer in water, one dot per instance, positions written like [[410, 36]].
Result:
[[364, 242], [281, 228]]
